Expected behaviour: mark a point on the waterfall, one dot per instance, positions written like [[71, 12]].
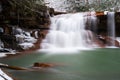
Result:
[[111, 26], [67, 32], [92, 21], [1, 44]]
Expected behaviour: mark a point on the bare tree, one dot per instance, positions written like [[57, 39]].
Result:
[[96, 5]]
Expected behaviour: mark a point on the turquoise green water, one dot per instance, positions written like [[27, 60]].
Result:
[[99, 64]]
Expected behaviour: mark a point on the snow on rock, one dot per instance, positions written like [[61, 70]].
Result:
[[30, 40], [19, 38], [27, 42], [36, 34], [118, 39], [4, 54], [24, 39], [26, 45], [4, 51], [4, 76]]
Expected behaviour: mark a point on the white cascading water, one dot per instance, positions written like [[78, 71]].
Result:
[[111, 26], [94, 22], [68, 32], [1, 45]]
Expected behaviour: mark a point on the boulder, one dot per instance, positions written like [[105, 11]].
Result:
[[108, 41], [43, 65]]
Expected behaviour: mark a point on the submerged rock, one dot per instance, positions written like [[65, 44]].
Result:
[[47, 65], [43, 65]]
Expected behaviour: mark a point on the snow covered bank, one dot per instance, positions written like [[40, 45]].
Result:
[[24, 39], [4, 51], [4, 76], [5, 54]]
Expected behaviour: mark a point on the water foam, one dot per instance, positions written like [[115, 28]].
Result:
[[68, 34]]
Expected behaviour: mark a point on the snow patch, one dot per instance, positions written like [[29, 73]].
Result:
[[4, 76], [118, 39], [24, 39], [26, 45], [4, 51]]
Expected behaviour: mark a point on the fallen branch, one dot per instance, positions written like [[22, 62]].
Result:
[[12, 67]]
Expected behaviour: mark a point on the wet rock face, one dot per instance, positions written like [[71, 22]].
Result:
[[9, 18], [102, 23], [117, 24], [34, 19], [108, 41]]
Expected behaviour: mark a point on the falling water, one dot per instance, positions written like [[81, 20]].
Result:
[[68, 32], [92, 21], [1, 44], [111, 26]]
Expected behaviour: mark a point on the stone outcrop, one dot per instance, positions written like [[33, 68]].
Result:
[[102, 23], [43, 65], [10, 18], [108, 41]]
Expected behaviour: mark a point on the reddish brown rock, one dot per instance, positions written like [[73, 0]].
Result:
[[43, 65], [108, 41]]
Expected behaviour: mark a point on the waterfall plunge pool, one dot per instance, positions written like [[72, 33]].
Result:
[[99, 64]]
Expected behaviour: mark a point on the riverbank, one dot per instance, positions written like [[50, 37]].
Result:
[[4, 76], [36, 45]]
